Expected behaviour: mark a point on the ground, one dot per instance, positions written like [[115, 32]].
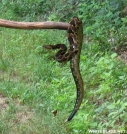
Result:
[[123, 56], [21, 116], [24, 115], [3, 103]]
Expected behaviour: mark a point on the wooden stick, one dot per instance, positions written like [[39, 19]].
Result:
[[34, 25]]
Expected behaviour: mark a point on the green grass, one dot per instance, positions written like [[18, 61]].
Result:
[[36, 84], [27, 76]]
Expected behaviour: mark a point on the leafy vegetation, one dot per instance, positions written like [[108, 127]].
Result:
[[35, 84]]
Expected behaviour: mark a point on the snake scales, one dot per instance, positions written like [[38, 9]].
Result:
[[75, 38]]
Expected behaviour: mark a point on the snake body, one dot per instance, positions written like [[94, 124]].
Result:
[[75, 38]]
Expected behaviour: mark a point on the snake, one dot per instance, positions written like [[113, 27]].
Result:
[[75, 38]]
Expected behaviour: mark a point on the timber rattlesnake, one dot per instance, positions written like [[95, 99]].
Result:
[[75, 38]]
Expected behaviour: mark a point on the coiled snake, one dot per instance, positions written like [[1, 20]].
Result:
[[75, 38]]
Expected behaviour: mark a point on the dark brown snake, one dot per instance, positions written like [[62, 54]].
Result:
[[75, 38]]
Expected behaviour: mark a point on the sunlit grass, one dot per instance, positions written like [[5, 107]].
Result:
[[36, 84], [26, 76]]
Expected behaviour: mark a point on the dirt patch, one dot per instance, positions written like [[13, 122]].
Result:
[[3, 102], [122, 53], [123, 56], [22, 115]]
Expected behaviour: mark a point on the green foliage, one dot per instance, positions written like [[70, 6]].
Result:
[[102, 22], [35, 83], [104, 105], [30, 10]]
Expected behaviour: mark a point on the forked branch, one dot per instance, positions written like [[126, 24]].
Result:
[[34, 25]]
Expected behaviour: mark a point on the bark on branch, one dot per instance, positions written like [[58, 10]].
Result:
[[34, 25]]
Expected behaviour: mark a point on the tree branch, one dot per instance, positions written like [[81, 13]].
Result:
[[34, 25]]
